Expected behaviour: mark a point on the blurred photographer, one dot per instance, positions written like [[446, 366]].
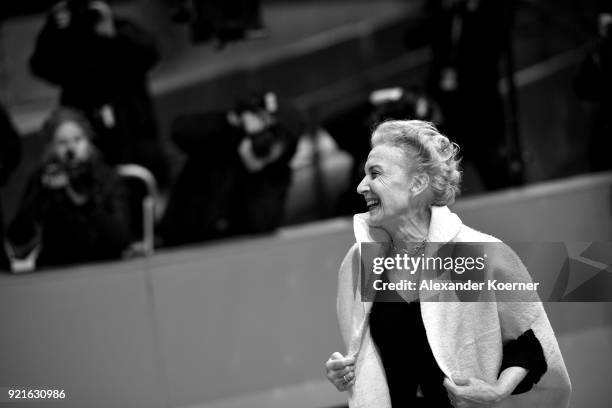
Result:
[[471, 53], [237, 172], [73, 209], [101, 62], [10, 155], [593, 83]]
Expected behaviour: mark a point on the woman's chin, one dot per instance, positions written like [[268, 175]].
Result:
[[374, 218]]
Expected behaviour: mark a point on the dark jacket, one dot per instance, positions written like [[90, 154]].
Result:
[[70, 233]]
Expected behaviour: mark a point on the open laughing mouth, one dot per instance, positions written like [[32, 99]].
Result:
[[372, 203]]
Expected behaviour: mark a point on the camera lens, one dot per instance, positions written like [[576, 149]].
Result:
[[70, 155]]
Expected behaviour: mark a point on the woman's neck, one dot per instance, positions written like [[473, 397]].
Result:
[[412, 226]]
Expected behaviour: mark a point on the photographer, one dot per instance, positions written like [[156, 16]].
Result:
[[73, 208], [237, 172], [593, 83], [471, 53], [10, 154], [101, 63]]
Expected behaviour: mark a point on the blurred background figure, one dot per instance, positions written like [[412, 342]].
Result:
[[352, 130], [101, 63], [237, 172], [73, 208], [220, 20], [10, 154], [593, 83], [471, 39]]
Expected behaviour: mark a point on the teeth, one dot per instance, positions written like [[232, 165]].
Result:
[[372, 203]]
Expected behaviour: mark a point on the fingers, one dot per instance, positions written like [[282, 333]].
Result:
[[344, 384], [345, 381], [338, 373], [461, 381], [337, 362], [455, 384], [450, 386], [341, 371]]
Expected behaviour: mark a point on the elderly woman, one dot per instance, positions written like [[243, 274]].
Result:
[[412, 352]]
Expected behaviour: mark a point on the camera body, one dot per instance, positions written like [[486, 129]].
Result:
[[262, 142], [259, 122], [78, 172]]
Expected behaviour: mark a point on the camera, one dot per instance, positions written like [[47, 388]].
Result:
[[79, 173], [263, 106], [262, 142]]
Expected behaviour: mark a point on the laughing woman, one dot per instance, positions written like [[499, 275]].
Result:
[[404, 352]]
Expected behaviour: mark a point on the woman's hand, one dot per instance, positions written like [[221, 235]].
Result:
[[473, 393], [55, 178], [341, 371]]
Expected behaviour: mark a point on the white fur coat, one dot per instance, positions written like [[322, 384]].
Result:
[[466, 338]]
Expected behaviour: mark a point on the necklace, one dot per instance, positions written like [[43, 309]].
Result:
[[417, 248]]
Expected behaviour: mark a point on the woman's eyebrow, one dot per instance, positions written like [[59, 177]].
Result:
[[371, 167]]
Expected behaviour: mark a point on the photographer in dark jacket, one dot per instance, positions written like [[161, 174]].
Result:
[[594, 84], [470, 44], [73, 209], [101, 64], [237, 172]]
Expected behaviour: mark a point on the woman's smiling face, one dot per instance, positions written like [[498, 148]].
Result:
[[386, 185]]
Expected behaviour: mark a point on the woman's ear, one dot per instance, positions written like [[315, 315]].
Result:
[[420, 182]]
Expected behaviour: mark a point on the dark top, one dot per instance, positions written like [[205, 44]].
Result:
[[71, 233], [397, 330]]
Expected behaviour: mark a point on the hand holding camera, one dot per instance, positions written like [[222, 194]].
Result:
[[68, 175], [255, 162], [55, 177]]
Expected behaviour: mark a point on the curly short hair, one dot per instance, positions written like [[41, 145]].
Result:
[[429, 151]]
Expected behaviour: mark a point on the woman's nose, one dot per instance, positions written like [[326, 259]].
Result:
[[363, 187]]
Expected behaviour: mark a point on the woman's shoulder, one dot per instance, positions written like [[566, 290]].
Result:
[[498, 251], [469, 234]]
